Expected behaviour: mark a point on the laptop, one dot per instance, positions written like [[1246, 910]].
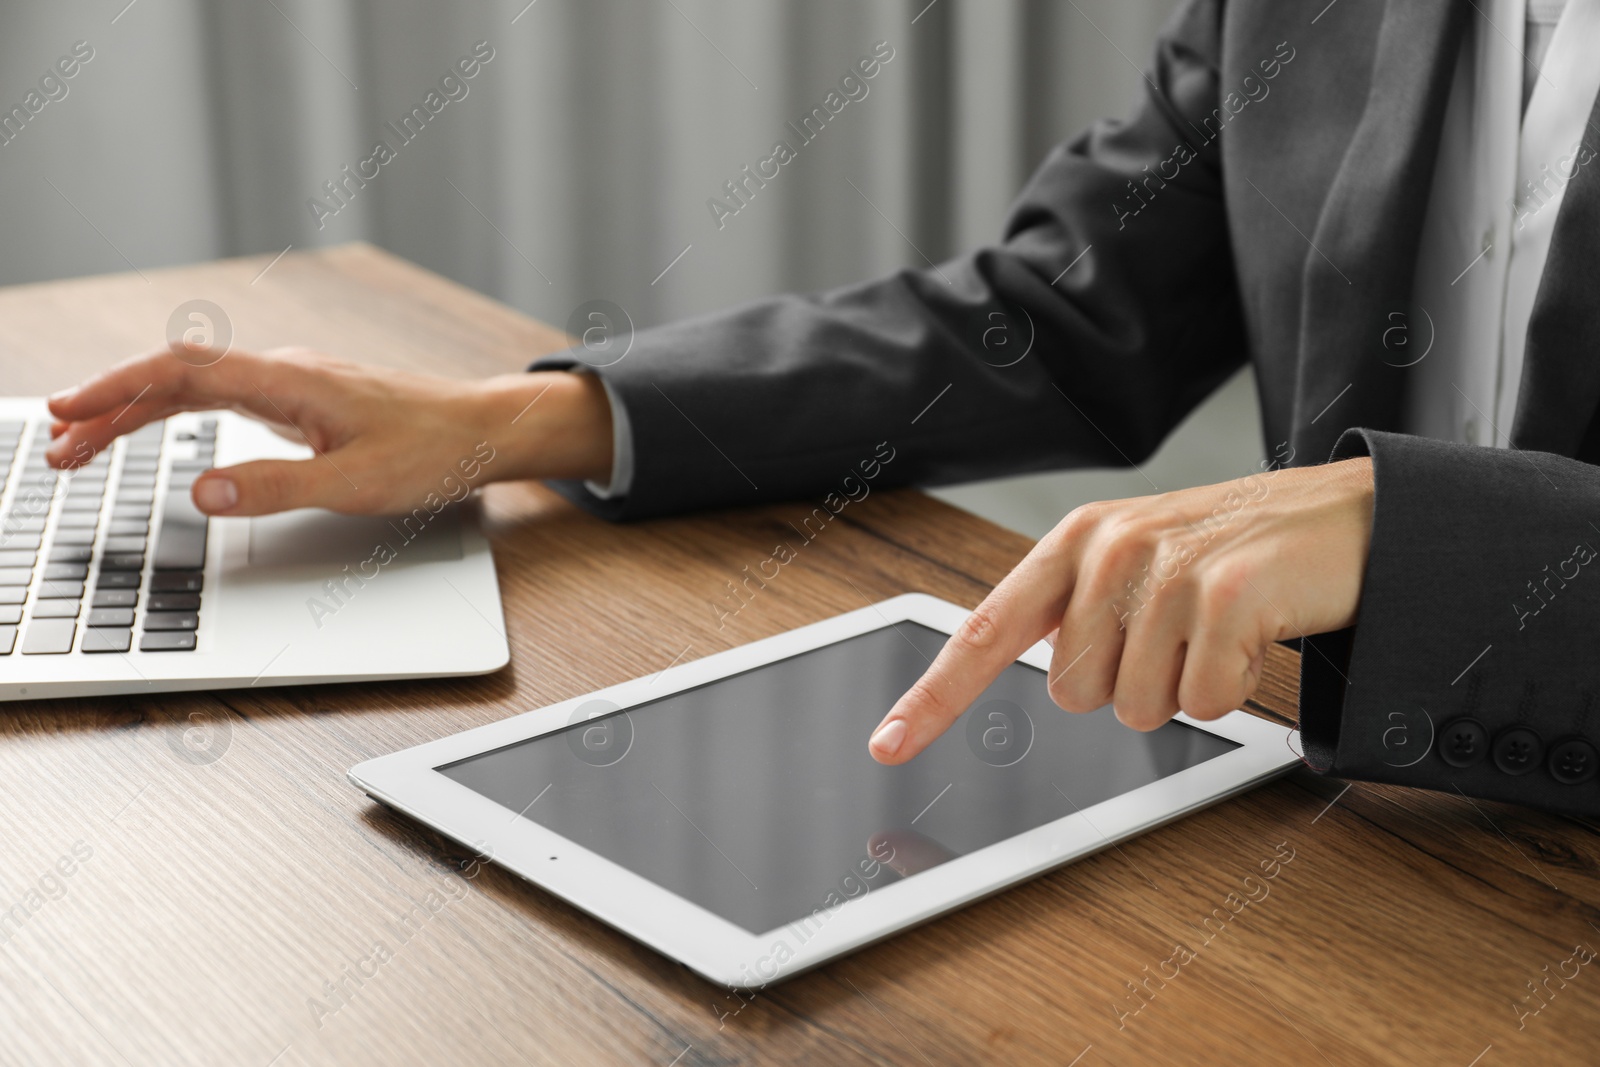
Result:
[[111, 581]]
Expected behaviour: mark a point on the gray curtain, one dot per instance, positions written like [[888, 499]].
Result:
[[579, 163]]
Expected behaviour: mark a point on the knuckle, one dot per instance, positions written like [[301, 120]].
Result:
[[1208, 697], [932, 701], [1141, 718], [1220, 587], [1119, 555], [1075, 694], [1140, 711], [978, 631], [1173, 552], [172, 369], [1123, 525], [1082, 519], [1207, 714], [271, 485]]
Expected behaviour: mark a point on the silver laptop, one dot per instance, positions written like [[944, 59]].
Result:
[[111, 581]]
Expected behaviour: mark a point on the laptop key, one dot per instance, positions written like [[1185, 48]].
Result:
[[120, 545], [167, 641], [71, 553], [19, 558], [171, 620], [181, 544], [49, 637], [107, 639], [122, 561], [55, 609], [19, 541], [60, 590], [110, 617], [176, 582], [75, 536], [10, 615], [128, 528], [117, 580], [32, 524], [8, 639], [13, 594], [71, 520], [16, 575], [117, 598], [66, 572], [174, 601]]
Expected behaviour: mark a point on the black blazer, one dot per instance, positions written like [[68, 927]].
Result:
[[1263, 202]]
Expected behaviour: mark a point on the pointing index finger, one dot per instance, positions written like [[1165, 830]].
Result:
[[1024, 607]]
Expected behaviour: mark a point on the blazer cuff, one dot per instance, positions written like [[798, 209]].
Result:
[[1442, 636]]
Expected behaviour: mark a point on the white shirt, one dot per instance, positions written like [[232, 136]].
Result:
[[1497, 188], [621, 479]]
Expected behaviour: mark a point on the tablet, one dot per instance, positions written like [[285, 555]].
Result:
[[725, 811]]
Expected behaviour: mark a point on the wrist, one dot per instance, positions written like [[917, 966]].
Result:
[[546, 424]]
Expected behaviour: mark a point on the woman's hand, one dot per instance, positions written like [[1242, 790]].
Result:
[[1161, 603], [383, 438]]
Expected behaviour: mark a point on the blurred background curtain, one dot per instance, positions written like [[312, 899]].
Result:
[[579, 164]]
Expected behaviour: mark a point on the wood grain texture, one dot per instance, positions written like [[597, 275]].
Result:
[[210, 906]]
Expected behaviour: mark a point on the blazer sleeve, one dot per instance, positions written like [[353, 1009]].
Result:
[[1469, 667], [1114, 276]]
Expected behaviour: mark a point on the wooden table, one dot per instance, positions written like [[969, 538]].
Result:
[[212, 909]]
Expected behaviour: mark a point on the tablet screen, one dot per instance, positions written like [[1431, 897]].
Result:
[[754, 797]]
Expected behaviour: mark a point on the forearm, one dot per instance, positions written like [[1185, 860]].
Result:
[[545, 424]]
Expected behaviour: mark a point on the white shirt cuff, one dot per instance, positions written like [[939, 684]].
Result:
[[621, 448]]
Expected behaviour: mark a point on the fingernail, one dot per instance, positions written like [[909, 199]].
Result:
[[215, 494], [888, 738]]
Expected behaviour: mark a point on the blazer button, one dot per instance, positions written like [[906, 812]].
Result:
[[1517, 750], [1573, 762], [1463, 742]]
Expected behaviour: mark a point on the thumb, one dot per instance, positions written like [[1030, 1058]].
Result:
[[264, 486]]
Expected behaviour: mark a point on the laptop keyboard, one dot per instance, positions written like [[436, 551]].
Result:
[[78, 574]]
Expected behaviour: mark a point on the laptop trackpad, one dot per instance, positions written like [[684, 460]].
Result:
[[314, 536]]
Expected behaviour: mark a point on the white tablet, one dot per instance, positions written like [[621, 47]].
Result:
[[726, 811]]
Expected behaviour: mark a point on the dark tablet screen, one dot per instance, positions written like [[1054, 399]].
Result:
[[755, 798]]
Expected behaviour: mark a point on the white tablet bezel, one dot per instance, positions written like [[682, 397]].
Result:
[[726, 953]]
